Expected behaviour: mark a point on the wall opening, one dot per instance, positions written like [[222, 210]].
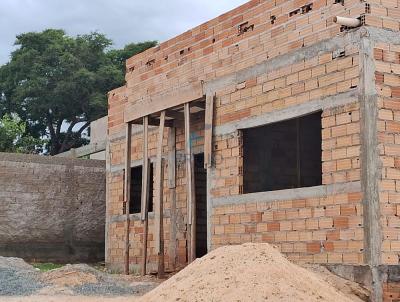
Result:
[[136, 189], [283, 155], [200, 179]]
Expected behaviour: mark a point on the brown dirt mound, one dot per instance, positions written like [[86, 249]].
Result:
[[71, 275], [249, 272]]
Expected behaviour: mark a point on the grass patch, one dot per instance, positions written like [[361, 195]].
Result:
[[44, 267]]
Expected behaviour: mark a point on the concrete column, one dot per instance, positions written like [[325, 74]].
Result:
[[370, 163]]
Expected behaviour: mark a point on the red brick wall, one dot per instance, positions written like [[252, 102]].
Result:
[[387, 76]]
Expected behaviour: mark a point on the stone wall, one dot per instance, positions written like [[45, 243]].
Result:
[[51, 208]]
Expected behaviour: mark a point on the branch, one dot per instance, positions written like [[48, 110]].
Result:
[[67, 136], [59, 124], [66, 145], [87, 124], [53, 135]]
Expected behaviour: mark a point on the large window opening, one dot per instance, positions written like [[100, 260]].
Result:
[[135, 203], [283, 155]]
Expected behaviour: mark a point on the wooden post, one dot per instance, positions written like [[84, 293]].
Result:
[[127, 192], [208, 130], [191, 205], [145, 192], [172, 194], [159, 217]]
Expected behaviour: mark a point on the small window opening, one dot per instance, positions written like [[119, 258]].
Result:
[[283, 155], [295, 12], [306, 8], [135, 204], [244, 28], [150, 63]]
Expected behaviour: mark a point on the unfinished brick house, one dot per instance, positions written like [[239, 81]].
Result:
[[271, 123]]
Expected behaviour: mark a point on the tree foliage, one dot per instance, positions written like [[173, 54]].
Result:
[[13, 137], [57, 84]]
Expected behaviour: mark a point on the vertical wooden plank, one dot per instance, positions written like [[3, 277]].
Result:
[[127, 191], [145, 169], [191, 208], [208, 130], [172, 194], [159, 232], [145, 192]]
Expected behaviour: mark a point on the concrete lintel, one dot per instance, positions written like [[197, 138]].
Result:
[[135, 217], [340, 99], [290, 58], [290, 194]]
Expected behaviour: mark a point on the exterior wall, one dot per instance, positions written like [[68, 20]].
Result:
[[52, 209], [285, 66]]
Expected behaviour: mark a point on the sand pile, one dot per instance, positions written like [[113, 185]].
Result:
[[250, 272]]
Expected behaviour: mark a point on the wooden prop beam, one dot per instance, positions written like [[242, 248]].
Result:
[[127, 191], [145, 192], [159, 230], [191, 204], [172, 194], [208, 130]]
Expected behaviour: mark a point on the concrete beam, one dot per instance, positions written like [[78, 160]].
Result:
[[289, 194], [84, 150]]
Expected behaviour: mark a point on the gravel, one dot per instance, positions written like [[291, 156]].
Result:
[[17, 278], [109, 289]]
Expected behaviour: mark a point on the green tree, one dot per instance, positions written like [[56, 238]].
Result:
[[13, 137], [57, 84]]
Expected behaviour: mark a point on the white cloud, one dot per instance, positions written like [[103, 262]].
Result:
[[123, 21]]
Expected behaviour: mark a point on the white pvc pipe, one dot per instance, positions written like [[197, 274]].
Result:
[[349, 22]]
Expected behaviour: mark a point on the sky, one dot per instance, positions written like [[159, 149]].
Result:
[[123, 21]]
